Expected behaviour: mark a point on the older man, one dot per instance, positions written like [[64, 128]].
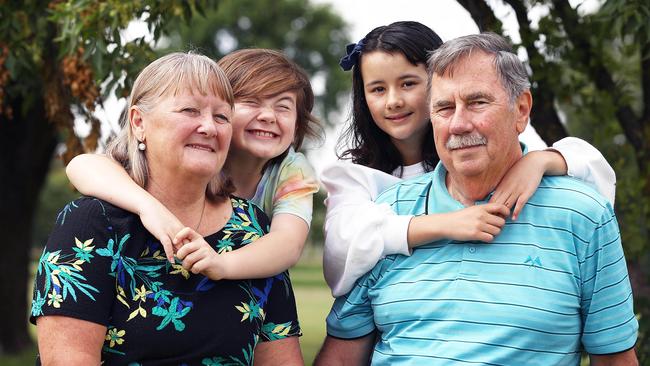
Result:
[[552, 284]]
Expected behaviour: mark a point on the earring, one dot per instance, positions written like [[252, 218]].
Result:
[[142, 146]]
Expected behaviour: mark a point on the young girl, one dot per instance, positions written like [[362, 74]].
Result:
[[272, 116], [391, 138]]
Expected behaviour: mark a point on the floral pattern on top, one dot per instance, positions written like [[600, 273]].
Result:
[[101, 265]]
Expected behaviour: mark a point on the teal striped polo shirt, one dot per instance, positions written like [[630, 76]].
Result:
[[553, 283]]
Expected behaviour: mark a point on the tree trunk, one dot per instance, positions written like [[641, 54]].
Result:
[[482, 15], [543, 116], [644, 156], [26, 148]]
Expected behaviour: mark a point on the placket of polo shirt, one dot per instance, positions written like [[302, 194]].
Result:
[[472, 253], [468, 266]]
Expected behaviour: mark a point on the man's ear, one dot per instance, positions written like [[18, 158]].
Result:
[[523, 105], [137, 123]]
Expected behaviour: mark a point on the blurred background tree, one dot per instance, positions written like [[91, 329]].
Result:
[[61, 59], [312, 35], [54, 57], [591, 78]]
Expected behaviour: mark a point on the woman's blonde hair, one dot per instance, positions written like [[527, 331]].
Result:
[[169, 75]]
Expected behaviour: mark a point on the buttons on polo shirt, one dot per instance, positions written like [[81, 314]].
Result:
[[468, 268]]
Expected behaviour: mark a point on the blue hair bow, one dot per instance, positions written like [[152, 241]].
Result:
[[352, 52]]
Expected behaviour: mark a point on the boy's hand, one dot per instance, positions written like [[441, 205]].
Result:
[[198, 256], [162, 224]]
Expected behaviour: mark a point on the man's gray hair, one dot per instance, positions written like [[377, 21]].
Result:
[[509, 68]]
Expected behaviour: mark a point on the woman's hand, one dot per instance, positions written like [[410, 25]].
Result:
[[522, 180], [480, 222], [198, 256], [162, 224]]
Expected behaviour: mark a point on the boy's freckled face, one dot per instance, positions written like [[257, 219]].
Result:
[[264, 127]]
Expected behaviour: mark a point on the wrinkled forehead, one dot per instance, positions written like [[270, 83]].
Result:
[[469, 74]]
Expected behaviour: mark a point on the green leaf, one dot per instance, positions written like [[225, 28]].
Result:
[[158, 311]]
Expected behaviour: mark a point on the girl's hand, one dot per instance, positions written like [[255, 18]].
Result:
[[162, 224], [480, 222], [198, 256], [522, 180]]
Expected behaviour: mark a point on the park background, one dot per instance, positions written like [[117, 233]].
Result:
[[65, 64]]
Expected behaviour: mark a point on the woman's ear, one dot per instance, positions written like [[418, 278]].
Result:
[[137, 123]]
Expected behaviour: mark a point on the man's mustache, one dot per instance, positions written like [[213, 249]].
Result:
[[461, 141]]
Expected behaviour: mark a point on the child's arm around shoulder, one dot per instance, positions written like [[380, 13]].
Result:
[[571, 156], [271, 254], [358, 231], [293, 190], [99, 176], [586, 163]]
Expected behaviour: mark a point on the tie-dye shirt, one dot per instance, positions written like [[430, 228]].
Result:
[[288, 187]]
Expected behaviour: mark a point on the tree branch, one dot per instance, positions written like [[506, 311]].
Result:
[[543, 116], [482, 15], [596, 70], [645, 82]]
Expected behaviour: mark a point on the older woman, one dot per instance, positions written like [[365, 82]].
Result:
[[104, 290]]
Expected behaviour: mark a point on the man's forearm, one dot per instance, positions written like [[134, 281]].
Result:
[[344, 352], [626, 358]]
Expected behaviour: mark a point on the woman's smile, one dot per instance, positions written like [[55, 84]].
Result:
[[201, 147]]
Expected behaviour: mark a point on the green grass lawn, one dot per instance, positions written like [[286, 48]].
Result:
[[25, 358], [312, 296], [313, 299]]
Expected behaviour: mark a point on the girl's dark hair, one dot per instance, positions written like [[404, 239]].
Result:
[[368, 144]]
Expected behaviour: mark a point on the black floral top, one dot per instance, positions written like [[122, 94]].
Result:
[[101, 265]]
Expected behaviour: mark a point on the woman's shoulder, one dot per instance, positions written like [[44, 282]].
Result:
[[242, 206], [237, 201], [87, 208]]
